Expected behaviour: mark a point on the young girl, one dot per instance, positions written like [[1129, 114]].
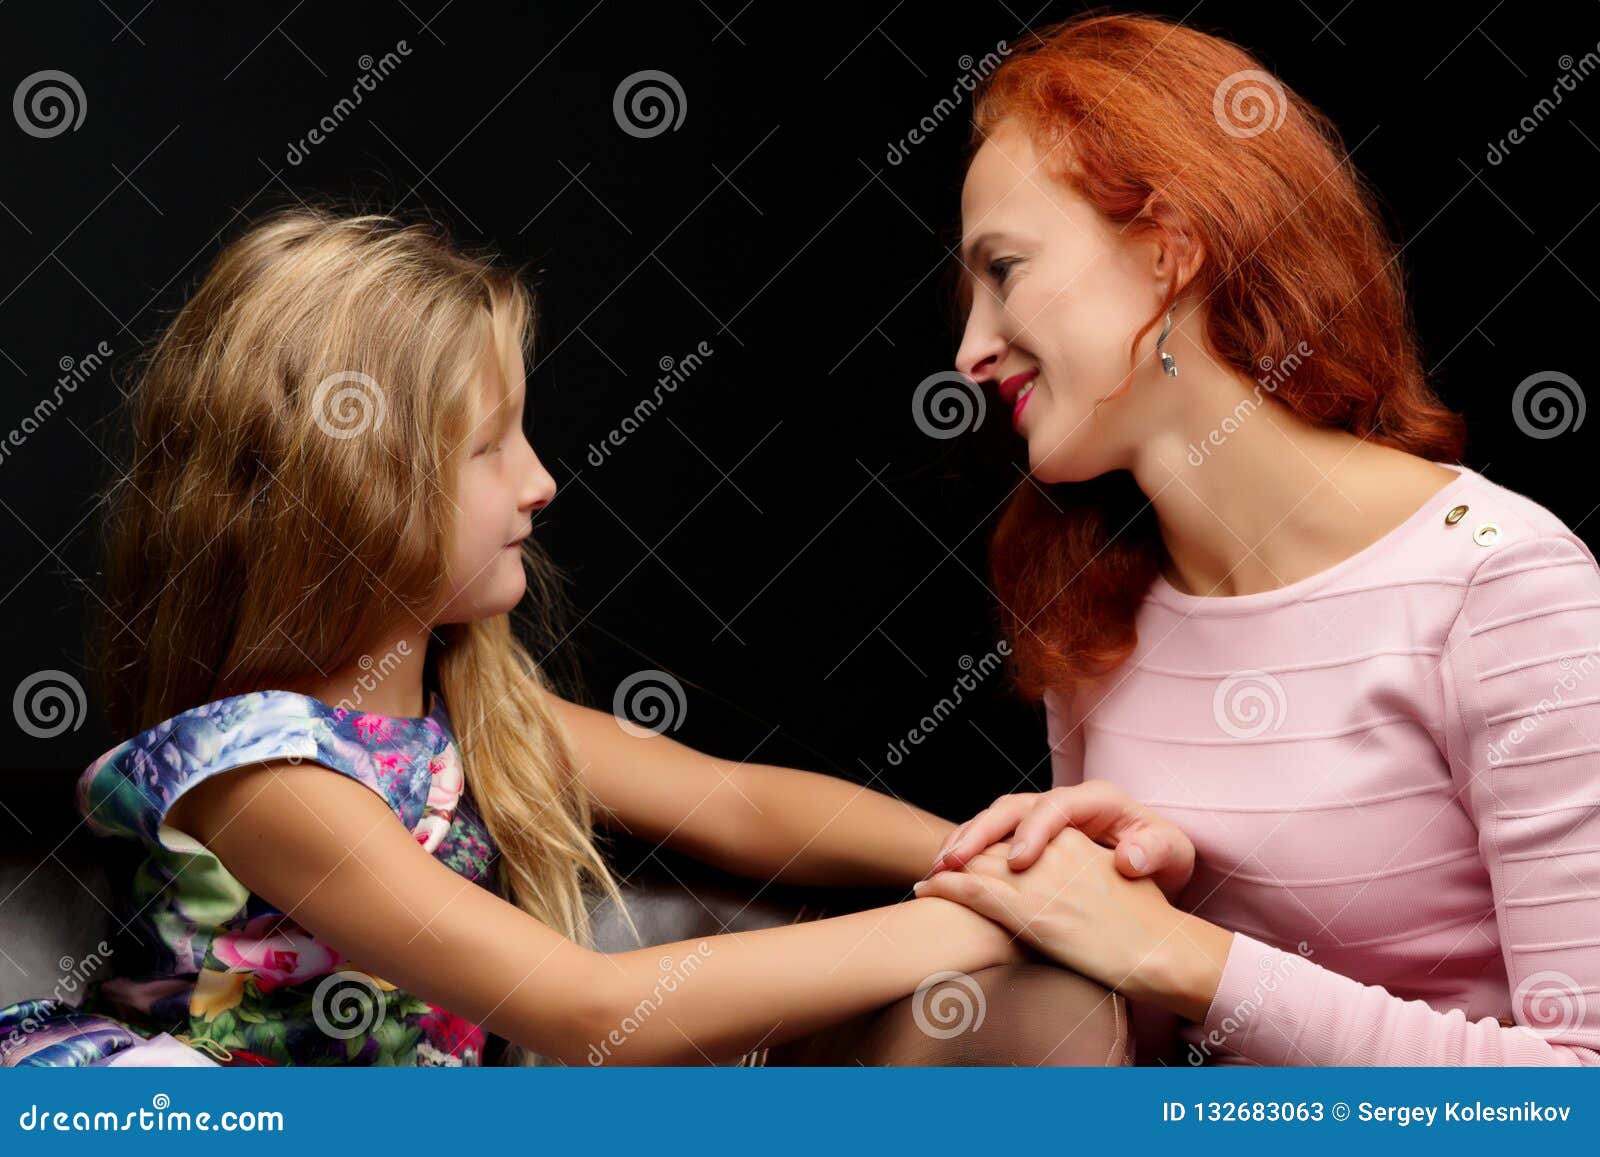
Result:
[[1329, 682], [341, 758]]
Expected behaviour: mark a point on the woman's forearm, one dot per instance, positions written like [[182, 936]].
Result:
[[695, 1001], [820, 829]]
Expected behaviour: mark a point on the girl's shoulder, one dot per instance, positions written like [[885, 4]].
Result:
[[129, 790]]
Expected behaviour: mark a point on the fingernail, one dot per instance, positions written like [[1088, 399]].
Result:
[[919, 885], [1137, 858], [1016, 850]]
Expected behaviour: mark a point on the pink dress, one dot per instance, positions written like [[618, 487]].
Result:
[[1391, 774]]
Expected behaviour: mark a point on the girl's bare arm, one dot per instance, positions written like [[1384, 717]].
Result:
[[329, 852], [755, 820]]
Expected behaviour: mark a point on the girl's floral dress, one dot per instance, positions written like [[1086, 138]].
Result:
[[219, 975]]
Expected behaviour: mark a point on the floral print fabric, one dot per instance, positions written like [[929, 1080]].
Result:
[[218, 967]]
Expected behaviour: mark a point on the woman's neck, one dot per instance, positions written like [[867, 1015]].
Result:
[[1274, 501]]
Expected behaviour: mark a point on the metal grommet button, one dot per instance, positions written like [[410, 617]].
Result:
[[1455, 515], [1486, 534]]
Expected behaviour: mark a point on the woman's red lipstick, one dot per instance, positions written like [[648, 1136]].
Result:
[[1012, 387]]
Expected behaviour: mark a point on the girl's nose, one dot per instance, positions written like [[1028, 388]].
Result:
[[540, 488]]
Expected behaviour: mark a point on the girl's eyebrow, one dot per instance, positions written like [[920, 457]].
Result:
[[499, 416], [507, 406]]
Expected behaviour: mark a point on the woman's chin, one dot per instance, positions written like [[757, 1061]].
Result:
[[1047, 452], [1055, 462], [1048, 473]]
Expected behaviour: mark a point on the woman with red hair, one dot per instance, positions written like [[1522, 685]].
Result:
[[1315, 680]]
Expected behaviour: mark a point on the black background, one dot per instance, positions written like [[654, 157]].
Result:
[[780, 536]]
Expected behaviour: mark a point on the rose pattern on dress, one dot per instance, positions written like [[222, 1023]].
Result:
[[221, 969]]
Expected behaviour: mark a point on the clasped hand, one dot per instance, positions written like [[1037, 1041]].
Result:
[[1058, 890]]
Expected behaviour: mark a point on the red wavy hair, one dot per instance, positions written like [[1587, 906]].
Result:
[[1121, 107]]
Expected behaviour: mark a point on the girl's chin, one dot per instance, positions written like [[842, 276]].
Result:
[[503, 596], [515, 590]]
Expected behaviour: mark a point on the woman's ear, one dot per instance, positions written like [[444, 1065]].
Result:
[[1179, 255], [1175, 252]]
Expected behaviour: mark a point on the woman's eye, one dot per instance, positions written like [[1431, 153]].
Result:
[[999, 267]]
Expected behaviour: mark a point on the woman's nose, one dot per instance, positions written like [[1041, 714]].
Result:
[[980, 353]]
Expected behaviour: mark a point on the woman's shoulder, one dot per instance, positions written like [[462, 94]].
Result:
[[1471, 528], [129, 789], [1495, 527], [1508, 509]]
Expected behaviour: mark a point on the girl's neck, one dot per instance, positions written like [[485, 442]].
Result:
[[386, 679]]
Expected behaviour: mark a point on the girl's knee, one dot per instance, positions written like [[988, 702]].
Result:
[[1013, 1014]]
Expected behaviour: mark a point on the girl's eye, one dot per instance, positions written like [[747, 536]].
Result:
[[493, 446], [999, 267]]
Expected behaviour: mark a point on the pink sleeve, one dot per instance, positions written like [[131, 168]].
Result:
[[1521, 681]]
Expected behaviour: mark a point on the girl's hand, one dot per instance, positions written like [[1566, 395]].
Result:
[[1075, 907], [1144, 843]]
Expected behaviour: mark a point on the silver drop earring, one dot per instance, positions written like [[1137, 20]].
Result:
[[1168, 362]]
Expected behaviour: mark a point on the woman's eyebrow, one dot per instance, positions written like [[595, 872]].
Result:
[[969, 255], [991, 237]]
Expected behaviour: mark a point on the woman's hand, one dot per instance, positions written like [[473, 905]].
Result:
[[1144, 843], [1074, 906]]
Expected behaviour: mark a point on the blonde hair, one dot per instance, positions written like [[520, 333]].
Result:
[[294, 459]]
